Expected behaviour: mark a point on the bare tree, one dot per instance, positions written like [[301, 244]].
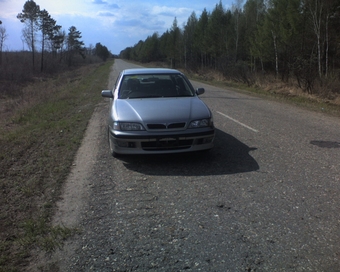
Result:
[[27, 38], [3, 37]]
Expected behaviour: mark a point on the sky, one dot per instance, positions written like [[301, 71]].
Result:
[[116, 24]]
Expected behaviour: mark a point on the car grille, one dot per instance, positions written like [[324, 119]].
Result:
[[166, 126], [167, 144]]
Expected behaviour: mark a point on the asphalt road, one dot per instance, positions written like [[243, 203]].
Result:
[[266, 198]]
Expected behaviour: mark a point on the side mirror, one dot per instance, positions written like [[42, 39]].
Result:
[[107, 93], [200, 91]]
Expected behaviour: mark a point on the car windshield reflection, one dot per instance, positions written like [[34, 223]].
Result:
[[154, 86]]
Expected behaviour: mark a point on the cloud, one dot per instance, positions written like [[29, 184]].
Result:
[[106, 14], [140, 26], [129, 23], [170, 11], [99, 2], [114, 6], [104, 3]]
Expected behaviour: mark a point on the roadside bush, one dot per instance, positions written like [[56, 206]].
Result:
[[305, 74], [239, 72]]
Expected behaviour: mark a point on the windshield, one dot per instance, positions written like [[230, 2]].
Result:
[[150, 86]]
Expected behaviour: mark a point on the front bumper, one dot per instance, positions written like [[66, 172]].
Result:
[[162, 142]]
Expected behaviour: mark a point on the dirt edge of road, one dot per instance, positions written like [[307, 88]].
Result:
[[75, 193], [76, 189]]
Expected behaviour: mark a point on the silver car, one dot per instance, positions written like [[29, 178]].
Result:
[[157, 111]]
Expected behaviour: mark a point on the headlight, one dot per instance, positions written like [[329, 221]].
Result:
[[201, 123], [127, 126]]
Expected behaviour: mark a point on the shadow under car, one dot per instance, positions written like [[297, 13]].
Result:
[[229, 156]]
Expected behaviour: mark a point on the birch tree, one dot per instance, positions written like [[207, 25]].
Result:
[[316, 10]]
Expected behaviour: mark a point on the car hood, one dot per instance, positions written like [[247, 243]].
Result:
[[164, 110]]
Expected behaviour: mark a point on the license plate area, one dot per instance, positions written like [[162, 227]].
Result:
[[167, 143]]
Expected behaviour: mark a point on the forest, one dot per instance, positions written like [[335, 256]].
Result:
[[288, 40]]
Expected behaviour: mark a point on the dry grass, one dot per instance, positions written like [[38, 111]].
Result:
[[40, 133], [37, 91], [325, 93]]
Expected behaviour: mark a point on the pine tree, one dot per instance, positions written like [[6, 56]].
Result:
[[48, 29], [189, 38], [74, 44], [30, 15], [174, 44], [216, 33], [201, 41], [102, 51]]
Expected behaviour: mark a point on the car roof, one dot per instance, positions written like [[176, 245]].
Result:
[[146, 71]]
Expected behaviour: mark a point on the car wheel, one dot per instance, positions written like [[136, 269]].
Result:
[[112, 152]]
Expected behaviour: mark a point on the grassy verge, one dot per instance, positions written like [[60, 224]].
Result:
[[37, 149], [310, 102]]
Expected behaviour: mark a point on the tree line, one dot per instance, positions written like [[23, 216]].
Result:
[[42, 32], [286, 38]]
